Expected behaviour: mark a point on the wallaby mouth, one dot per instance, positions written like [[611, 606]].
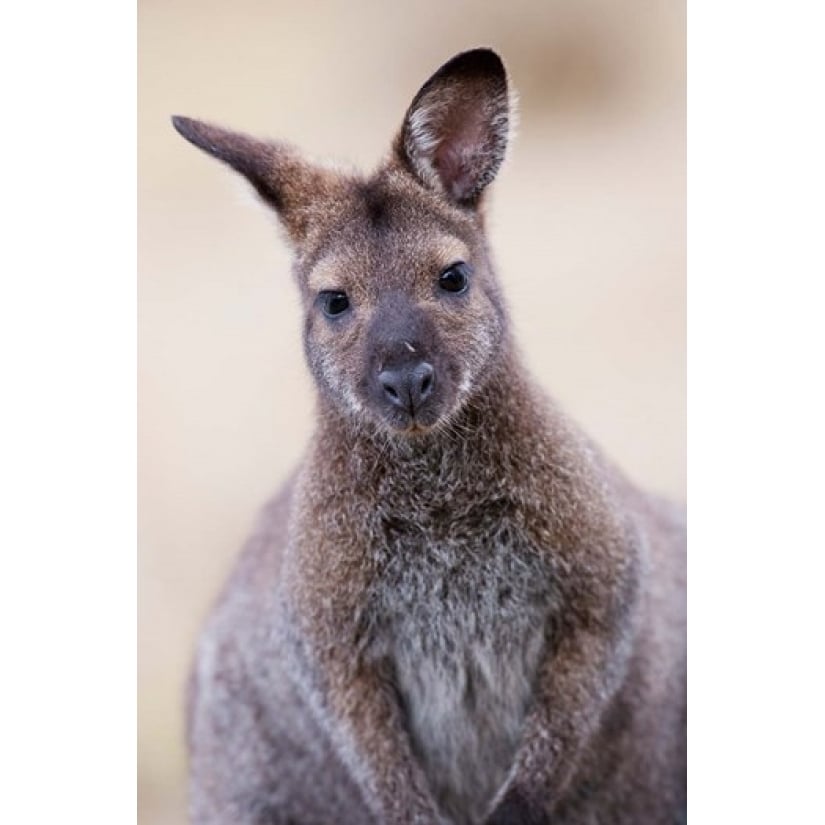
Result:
[[410, 391], [410, 417]]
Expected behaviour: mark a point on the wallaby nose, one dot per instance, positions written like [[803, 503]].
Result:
[[409, 386]]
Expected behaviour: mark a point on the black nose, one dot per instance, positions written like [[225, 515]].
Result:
[[408, 386]]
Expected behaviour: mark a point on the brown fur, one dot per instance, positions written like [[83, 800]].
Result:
[[456, 611]]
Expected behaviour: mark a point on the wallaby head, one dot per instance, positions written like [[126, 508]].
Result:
[[404, 319]]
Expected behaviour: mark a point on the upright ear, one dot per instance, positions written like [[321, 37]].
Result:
[[455, 132], [280, 176]]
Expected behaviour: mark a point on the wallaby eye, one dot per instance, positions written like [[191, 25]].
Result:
[[334, 303], [455, 277]]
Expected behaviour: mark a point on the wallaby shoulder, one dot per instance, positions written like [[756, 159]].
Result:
[[257, 753]]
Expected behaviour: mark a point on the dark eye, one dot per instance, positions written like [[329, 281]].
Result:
[[455, 277], [334, 303]]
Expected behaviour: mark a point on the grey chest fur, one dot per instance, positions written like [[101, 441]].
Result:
[[459, 609]]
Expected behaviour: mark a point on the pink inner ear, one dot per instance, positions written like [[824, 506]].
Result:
[[454, 171], [458, 158]]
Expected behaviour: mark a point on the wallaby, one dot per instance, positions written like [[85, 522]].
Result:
[[456, 611]]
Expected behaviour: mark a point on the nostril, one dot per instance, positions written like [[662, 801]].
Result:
[[392, 385], [426, 376]]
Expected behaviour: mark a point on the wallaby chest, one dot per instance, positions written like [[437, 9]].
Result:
[[459, 607]]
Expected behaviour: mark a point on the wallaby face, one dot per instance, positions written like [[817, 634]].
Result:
[[403, 313], [482, 624]]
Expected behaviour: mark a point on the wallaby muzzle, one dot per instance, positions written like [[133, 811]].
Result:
[[408, 381]]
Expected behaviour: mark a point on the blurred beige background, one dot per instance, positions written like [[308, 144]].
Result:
[[587, 220]]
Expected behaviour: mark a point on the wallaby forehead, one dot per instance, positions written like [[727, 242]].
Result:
[[386, 228]]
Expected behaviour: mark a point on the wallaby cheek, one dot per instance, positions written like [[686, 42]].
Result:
[[332, 358], [474, 340]]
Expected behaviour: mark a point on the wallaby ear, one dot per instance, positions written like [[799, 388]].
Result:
[[280, 176], [455, 132]]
